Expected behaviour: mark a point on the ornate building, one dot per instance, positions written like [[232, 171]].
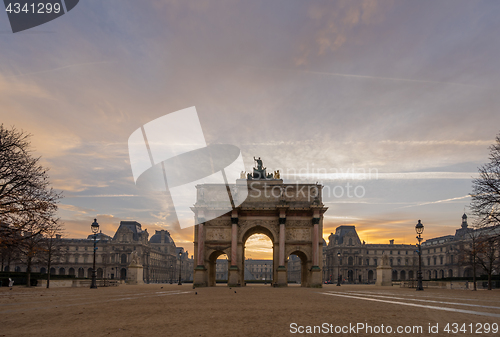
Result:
[[449, 256], [442, 257], [356, 262], [162, 261]]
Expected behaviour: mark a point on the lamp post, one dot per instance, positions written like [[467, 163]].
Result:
[[419, 228], [171, 273], [265, 273], [180, 268], [95, 229], [338, 269]]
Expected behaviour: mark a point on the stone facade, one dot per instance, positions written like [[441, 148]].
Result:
[[291, 215], [128, 256], [358, 260], [447, 256], [442, 257]]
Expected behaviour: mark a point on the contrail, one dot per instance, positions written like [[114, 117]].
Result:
[[55, 69], [367, 77], [438, 201]]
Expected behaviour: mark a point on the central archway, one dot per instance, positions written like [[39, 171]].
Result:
[[258, 261]]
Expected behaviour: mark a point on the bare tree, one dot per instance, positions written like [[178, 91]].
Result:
[[27, 202], [485, 203], [487, 256], [33, 246], [25, 192], [469, 251], [50, 252]]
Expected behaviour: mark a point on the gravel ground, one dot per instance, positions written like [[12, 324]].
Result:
[[255, 310]]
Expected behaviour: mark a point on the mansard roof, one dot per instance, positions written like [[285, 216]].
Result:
[[343, 231], [100, 236], [131, 226], [157, 237]]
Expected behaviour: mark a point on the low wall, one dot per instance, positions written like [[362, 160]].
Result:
[[438, 284], [76, 283]]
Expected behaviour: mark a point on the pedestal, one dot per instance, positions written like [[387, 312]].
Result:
[[233, 279], [135, 274], [316, 279], [384, 276], [282, 277], [200, 277]]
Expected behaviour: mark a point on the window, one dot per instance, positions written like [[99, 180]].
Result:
[[428, 261], [399, 262], [367, 262], [399, 252], [441, 259], [406, 252], [406, 262], [441, 248], [435, 260], [375, 261], [367, 252], [390, 252], [350, 242], [391, 262], [451, 259]]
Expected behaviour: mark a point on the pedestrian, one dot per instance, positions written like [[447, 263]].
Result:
[[11, 283]]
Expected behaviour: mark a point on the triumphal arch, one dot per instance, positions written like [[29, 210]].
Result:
[[291, 215]]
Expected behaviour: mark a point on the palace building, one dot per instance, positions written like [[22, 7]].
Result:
[[442, 257], [161, 260], [356, 262]]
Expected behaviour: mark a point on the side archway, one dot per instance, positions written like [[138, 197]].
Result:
[[304, 262], [212, 265]]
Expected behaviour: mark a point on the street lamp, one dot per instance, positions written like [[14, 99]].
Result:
[[338, 269], [419, 228], [265, 273], [171, 273], [180, 268], [95, 229]]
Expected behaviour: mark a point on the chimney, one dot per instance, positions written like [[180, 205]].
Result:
[[391, 241]]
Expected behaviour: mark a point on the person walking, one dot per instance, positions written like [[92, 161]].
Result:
[[11, 283]]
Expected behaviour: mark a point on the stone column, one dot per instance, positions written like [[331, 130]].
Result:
[[282, 242], [201, 245], [315, 222], [200, 272], [233, 276], [316, 277], [282, 275]]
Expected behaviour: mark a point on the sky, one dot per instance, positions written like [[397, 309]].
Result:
[[398, 99]]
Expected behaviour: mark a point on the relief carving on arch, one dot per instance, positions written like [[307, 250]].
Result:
[[218, 234], [271, 225], [298, 223], [298, 234], [218, 223]]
